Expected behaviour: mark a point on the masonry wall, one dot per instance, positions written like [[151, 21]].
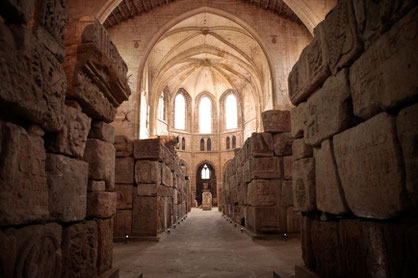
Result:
[[57, 98], [355, 124]]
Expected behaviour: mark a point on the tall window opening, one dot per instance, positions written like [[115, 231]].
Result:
[[205, 115], [161, 108], [209, 145], [205, 172], [202, 145], [180, 112], [228, 143], [231, 109], [183, 143], [234, 142]]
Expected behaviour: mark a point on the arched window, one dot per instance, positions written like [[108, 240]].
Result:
[[205, 172], [202, 145], [205, 116], [234, 142], [161, 107], [180, 112], [183, 143], [228, 143], [209, 145], [231, 112]]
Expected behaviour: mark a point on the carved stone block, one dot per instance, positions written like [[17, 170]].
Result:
[[101, 204], [260, 144], [276, 121], [298, 117], [283, 144], [96, 185], [304, 185], [101, 158], [124, 170], [123, 223], [71, 139], [102, 131], [328, 110], [105, 244], [266, 167], [301, 150], [124, 146], [375, 85], [150, 189], [67, 181], [263, 219], [166, 176], [287, 167], [261, 193], [23, 185], [286, 194], [370, 167], [79, 250], [125, 192], [329, 193], [31, 251], [150, 149], [148, 172], [145, 216]]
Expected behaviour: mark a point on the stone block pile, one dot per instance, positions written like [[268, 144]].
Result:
[[57, 197], [257, 187], [355, 125], [152, 188]]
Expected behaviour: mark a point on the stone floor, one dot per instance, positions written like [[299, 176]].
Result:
[[206, 245]]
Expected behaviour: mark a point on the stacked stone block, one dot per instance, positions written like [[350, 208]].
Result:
[[151, 185], [57, 158], [257, 182], [355, 148]]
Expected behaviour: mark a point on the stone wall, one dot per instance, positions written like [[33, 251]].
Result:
[[152, 188], [257, 187], [355, 124], [57, 96]]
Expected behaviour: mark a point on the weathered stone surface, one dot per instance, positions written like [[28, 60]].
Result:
[[263, 219], [293, 220], [102, 131], [101, 204], [298, 117], [67, 182], [16, 12], [145, 216], [260, 144], [207, 201], [124, 192], [101, 158], [124, 146], [124, 170], [370, 167], [151, 189], [329, 193], [407, 127], [149, 149], [306, 240], [375, 85], [166, 176], [79, 250], [23, 186], [309, 72], [304, 184], [71, 139], [328, 110], [262, 193], [31, 251], [148, 172], [33, 83], [96, 185], [123, 222], [105, 244], [339, 37], [301, 150], [283, 144], [265, 167], [287, 167], [276, 121], [286, 194]]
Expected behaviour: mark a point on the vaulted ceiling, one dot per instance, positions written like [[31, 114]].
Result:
[[131, 8]]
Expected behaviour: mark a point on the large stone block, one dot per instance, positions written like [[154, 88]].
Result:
[[370, 167], [301, 150], [375, 85], [339, 38], [148, 172], [329, 110], [286, 194], [150, 149], [96, 185], [407, 127], [101, 158], [309, 72], [79, 250], [23, 185], [276, 121], [102, 131], [304, 184], [266, 167], [151, 189], [123, 222], [67, 182], [105, 244], [31, 251], [124, 146], [262, 193], [293, 220], [166, 176], [101, 204], [287, 167], [125, 193], [260, 144], [124, 170], [145, 216], [283, 144], [263, 219], [329, 193], [33, 81], [298, 117]]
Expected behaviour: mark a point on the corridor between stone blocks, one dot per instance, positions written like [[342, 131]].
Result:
[[205, 244]]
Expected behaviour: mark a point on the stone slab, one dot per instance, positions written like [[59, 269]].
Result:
[[102, 131], [105, 244], [145, 216], [283, 144], [276, 121], [287, 167], [266, 167], [263, 219], [96, 185], [124, 146], [286, 194], [124, 170], [125, 193], [101, 204], [298, 117], [148, 172], [262, 193], [304, 185], [123, 223], [260, 144], [301, 150]]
